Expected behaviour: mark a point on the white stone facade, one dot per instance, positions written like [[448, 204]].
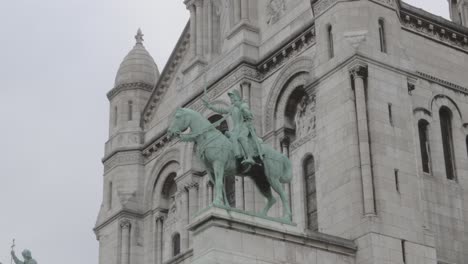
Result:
[[368, 187]]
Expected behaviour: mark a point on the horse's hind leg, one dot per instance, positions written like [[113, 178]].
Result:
[[218, 169], [265, 189], [278, 187]]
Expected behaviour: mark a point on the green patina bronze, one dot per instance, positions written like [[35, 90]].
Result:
[[26, 255], [240, 152]]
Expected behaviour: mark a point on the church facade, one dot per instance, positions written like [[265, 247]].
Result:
[[367, 98]]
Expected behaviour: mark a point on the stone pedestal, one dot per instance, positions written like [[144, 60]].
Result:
[[237, 238]]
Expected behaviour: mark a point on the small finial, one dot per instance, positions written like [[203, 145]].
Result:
[[139, 37]]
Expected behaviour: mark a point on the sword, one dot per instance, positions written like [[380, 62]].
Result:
[[12, 249]]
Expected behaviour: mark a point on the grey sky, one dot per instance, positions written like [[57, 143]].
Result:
[[58, 60]]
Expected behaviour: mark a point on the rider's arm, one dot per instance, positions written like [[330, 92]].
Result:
[[218, 110], [16, 260]]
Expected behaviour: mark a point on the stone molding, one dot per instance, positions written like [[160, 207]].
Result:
[[301, 141], [444, 83], [241, 222], [433, 30], [389, 3], [157, 146], [129, 86], [123, 158], [290, 50], [169, 72], [300, 65]]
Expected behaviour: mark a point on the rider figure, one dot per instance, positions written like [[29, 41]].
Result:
[[243, 128]]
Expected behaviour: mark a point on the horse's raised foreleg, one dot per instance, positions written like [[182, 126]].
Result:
[[218, 168]]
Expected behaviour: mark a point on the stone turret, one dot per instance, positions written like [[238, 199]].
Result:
[[459, 11], [136, 78]]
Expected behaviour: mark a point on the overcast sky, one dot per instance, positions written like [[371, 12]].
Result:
[[58, 59]]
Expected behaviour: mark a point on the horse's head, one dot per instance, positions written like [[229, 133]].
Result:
[[179, 123]]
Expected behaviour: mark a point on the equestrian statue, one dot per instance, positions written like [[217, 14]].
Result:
[[238, 152]]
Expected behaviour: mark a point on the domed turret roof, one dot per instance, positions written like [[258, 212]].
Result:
[[138, 66]]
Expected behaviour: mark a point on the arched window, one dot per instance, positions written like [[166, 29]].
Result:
[[331, 51], [170, 188], [109, 196], [447, 140], [310, 193], [383, 44], [467, 146], [130, 110], [176, 244], [423, 127], [116, 113]]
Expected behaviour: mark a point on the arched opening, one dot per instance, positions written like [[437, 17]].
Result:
[[383, 42], [175, 244], [467, 146], [299, 114], [447, 141], [130, 110], [310, 193], [169, 189], [109, 195], [423, 127], [331, 51], [116, 116]]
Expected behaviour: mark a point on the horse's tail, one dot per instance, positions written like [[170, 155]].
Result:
[[286, 176]]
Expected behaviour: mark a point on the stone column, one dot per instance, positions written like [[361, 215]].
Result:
[[285, 142], [199, 25], [159, 240], [125, 226], [192, 208], [184, 213], [245, 91], [237, 11], [193, 30], [209, 38], [358, 72], [193, 198], [245, 10]]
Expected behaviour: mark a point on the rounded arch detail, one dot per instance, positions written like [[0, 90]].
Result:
[[441, 100], [168, 161], [301, 66]]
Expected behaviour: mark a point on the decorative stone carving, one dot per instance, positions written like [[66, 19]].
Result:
[[305, 116], [435, 31], [125, 223], [275, 10], [121, 159], [129, 86], [444, 83], [322, 6]]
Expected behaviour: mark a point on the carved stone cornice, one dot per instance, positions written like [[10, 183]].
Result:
[[358, 69], [320, 6], [157, 146], [442, 82], [294, 47], [442, 31], [123, 158], [129, 86]]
